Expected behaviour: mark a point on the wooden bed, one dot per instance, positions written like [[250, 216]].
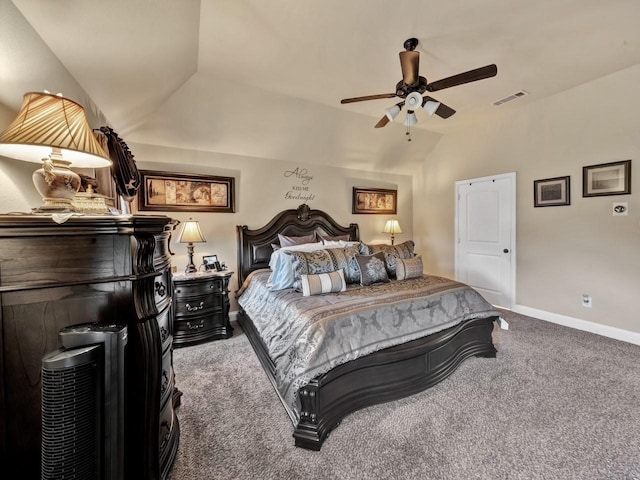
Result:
[[386, 375]]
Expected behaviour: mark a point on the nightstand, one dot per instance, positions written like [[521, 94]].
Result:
[[201, 307]]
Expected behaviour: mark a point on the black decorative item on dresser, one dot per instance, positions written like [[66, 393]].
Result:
[[201, 311], [104, 269]]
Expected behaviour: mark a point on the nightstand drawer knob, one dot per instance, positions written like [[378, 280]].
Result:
[[196, 308]]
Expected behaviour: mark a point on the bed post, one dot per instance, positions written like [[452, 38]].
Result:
[[308, 433]]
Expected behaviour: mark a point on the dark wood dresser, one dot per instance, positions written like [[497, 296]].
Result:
[[201, 310], [106, 269]]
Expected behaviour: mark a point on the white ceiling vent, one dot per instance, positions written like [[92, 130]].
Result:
[[513, 96]]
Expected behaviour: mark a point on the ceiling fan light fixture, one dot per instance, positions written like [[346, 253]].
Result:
[[413, 101], [393, 112], [431, 107], [411, 119]]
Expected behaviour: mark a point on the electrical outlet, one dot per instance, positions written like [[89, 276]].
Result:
[[174, 269], [587, 301]]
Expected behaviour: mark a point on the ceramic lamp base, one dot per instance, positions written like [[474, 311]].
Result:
[[57, 185]]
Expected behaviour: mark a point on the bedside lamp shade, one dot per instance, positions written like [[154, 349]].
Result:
[[392, 227], [53, 130], [191, 234]]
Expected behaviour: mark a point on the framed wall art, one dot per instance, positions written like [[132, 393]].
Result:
[[552, 192], [606, 179], [374, 200], [162, 191]]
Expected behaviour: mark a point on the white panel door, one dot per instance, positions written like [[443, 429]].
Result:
[[485, 237]]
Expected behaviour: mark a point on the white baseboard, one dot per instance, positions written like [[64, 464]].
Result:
[[597, 328]]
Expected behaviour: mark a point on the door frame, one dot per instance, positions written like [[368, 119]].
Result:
[[512, 248]]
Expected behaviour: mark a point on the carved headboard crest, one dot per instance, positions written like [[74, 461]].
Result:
[[303, 212]]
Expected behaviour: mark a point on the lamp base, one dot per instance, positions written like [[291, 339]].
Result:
[[191, 268], [57, 185]]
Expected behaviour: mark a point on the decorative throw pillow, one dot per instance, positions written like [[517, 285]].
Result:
[[324, 261], [323, 283], [391, 254], [372, 269], [407, 268], [281, 265], [286, 241]]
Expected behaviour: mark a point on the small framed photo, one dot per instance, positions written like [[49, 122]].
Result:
[[211, 262], [607, 179], [374, 200], [552, 192]]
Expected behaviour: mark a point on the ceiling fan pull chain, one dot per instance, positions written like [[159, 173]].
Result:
[[408, 133]]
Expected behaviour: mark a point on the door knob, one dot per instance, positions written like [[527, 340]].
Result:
[[506, 250]]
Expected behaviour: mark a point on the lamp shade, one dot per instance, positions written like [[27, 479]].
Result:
[[411, 119], [47, 122], [393, 112], [191, 232], [430, 107], [392, 227]]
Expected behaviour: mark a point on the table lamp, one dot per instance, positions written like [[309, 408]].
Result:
[[53, 130], [191, 234], [392, 227]]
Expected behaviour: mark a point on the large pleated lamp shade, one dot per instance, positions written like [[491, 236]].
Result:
[[54, 131]]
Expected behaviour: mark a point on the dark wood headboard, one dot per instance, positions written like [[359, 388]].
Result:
[[254, 246]]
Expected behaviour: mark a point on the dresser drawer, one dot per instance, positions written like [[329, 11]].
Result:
[[168, 431], [198, 305], [162, 290], [166, 328], [166, 378]]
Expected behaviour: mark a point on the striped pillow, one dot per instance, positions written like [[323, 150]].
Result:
[[323, 283], [409, 268]]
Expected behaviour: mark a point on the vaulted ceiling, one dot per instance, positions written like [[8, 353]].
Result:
[[264, 78]]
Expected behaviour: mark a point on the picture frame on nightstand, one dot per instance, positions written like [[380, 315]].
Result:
[[211, 262]]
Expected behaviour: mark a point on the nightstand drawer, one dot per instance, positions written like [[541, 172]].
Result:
[[197, 305], [215, 285]]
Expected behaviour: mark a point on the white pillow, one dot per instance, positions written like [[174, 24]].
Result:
[[281, 265], [323, 283], [339, 243]]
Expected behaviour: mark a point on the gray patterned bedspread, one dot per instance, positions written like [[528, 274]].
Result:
[[308, 336]]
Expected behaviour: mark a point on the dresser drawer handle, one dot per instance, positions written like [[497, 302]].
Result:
[[196, 308], [161, 289]]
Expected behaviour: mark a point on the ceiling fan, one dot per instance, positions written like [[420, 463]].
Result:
[[412, 87]]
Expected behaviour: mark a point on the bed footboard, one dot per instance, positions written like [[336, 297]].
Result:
[[389, 374]]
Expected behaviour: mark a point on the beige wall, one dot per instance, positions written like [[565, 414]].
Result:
[[562, 252], [261, 188]]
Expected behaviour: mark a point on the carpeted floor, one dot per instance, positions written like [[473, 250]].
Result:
[[556, 403]]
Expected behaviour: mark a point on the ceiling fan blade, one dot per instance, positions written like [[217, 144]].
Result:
[[466, 77], [409, 62], [368, 97], [443, 111], [383, 121]]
